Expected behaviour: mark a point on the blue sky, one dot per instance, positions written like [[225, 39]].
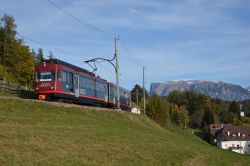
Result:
[[173, 39]]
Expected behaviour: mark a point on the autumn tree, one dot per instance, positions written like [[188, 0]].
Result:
[[184, 116], [158, 110], [175, 115], [25, 67], [9, 44], [16, 60], [235, 108], [196, 119]]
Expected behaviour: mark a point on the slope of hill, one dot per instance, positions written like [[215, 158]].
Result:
[[35, 133], [220, 90]]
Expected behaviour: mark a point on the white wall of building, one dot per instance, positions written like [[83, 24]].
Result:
[[242, 147], [136, 110], [242, 114]]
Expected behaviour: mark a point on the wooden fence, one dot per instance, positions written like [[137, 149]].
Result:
[[8, 86]]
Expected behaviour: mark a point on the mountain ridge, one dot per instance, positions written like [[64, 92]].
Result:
[[214, 89]]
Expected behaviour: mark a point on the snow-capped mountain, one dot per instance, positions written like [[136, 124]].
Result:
[[220, 90]]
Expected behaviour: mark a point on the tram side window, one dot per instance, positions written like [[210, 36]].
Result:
[[82, 84], [70, 78], [87, 83], [106, 88], [59, 75], [97, 86], [67, 77], [112, 91], [100, 86], [64, 76], [91, 85]]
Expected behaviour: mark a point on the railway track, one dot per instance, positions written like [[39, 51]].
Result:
[[63, 104]]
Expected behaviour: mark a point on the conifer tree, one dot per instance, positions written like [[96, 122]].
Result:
[[137, 89], [39, 56], [51, 55], [33, 52]]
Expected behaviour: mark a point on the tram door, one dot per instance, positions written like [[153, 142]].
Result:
[[76, 85]]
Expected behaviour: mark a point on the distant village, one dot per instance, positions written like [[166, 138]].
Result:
[[235, 138], [231, 137]]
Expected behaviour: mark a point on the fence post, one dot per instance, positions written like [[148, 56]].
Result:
[[3, 82]]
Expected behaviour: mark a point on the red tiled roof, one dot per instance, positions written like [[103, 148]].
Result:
[[235, 133], [213, 128]]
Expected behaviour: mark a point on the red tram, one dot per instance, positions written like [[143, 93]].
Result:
[[56, 79]]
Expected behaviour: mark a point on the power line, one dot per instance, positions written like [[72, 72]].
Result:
[[38, 42], [93, 27], [107, 71], [49, 46], [105, 32], [79, 20], [129, 53]]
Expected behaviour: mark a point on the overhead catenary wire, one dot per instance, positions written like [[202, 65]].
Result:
[[99, 30], [90, 26], [128, 51], [52, 47], [94, 28], [49, 46], [107, 71], [79, 20]]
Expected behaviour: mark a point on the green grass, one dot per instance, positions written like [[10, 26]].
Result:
[[30, 94], [8, 94], [34, 133]]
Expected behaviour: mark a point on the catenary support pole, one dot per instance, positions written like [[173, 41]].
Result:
[[137, 97], [144, 98], [117, 72]]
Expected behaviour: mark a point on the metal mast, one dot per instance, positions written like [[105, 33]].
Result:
[[117, 72], [116, 66], [144, 98]]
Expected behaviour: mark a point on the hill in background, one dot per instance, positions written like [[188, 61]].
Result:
[[33, 133], [216, 90]]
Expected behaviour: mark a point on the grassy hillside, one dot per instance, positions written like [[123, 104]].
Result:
[[34, 133]]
